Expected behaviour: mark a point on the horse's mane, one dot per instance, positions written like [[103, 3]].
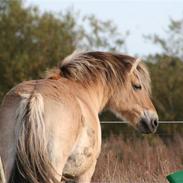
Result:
[[110, 68]]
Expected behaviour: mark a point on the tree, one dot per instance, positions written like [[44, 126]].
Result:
[[167, 85], [101, 35], [172, 45], [31, 42]]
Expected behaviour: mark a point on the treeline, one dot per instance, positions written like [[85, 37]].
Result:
[[32, 42]]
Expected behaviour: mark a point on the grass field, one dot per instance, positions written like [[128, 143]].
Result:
[[139, 160]]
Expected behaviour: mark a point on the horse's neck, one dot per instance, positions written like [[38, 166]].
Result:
[[97, 96]]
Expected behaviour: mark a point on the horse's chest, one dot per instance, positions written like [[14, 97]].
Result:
[[83, 154]]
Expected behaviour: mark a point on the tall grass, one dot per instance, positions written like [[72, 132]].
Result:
[[138, 160]]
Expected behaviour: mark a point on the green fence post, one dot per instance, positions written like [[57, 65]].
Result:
[[176, 177]]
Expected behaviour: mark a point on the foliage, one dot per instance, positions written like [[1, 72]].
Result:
[[167, 85], [98, 34], [172, 44], [167, 72], [31, 42]]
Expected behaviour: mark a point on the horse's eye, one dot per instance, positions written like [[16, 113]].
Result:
[[137, 87]]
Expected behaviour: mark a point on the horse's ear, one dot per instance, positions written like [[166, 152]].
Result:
[[134, 65]]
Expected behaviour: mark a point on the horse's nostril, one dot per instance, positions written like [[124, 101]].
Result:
[[145, 125], [155, 123]]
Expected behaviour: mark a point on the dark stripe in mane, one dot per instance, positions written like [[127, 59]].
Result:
[[91, 66]]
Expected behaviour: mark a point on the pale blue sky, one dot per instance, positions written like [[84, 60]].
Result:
[[140, 17]]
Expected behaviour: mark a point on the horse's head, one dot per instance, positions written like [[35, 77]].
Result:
[[133, 102]]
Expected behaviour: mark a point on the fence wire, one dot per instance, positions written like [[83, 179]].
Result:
[[125, 122]]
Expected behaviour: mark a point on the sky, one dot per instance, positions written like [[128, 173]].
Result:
[[139, 17]]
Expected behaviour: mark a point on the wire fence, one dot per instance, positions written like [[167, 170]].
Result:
[[163, 133], [125, 122]]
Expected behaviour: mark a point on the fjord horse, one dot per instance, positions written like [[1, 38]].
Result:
[[50, 129]]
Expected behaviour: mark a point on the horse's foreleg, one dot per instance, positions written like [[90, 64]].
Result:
[[59, 166], [87, 175], [60, 151]]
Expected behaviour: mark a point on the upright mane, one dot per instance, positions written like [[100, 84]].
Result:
[[109, 68]]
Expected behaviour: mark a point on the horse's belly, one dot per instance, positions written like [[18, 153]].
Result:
[[83, 155]]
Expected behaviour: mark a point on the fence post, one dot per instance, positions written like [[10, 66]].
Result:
[[2, 176]]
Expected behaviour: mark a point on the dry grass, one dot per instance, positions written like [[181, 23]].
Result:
[[138, 160]]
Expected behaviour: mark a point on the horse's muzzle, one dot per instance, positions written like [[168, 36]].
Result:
[[148, 124]]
